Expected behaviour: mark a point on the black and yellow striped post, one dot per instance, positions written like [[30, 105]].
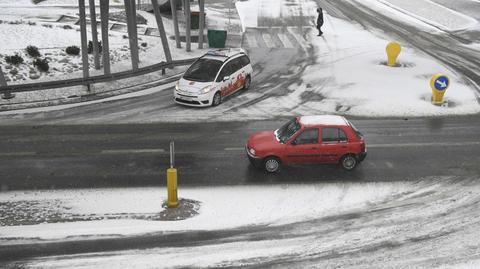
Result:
[[172, 200]]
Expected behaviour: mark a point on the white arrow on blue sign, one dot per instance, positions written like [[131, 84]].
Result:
[[442, 83]]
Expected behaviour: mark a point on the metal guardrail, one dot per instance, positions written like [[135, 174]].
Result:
[[93, 79]]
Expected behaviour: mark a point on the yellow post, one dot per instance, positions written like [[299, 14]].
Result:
[[439, 85], [393, 50], [172, 187], [172, 200]]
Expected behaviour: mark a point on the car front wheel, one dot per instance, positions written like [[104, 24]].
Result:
[[272, 164], [348, 162]]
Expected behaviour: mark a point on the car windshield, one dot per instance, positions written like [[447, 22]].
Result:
[[287, 130], [203, 70]]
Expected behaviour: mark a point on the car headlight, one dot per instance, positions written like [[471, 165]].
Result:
[[252, 151], [206, 89], [177, 86]]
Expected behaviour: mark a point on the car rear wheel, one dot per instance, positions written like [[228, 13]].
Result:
[[247, 83], [271, 164], [348, 162], [217, 99]]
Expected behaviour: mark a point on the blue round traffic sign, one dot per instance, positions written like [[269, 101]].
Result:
[[441, 83]]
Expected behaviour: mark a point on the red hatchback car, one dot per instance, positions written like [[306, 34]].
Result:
[[308, 139]]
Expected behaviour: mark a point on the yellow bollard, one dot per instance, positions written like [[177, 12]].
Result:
[[172, 187], [439, 85], [393, 50]]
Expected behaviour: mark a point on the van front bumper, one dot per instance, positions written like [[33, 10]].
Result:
[[191, 100]]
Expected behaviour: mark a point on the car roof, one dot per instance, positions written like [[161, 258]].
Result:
[[224, 54], [323, 120]]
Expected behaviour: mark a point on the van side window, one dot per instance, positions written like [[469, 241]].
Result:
[[227, 70], [236, 64], [308, 136], [245, 61], [332, 135]]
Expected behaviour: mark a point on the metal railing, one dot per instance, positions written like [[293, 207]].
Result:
[[93, 79]]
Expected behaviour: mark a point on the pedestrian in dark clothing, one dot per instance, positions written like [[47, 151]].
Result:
[[320, 21]]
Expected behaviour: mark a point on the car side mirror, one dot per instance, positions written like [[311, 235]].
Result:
[[225, 78]]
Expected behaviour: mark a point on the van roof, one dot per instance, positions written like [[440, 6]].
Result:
[[323, 120]]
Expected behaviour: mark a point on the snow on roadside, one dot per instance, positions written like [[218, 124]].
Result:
[[424, 11], [221, 207]]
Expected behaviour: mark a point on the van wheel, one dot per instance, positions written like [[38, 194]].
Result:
[[271, 164], [348, 162], [247, 83], [217, 99]]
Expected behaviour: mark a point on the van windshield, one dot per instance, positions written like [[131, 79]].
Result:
[[203, 70], [285, 132]]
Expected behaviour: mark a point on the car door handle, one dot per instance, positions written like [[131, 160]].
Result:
[[344, 147], [313, 148]]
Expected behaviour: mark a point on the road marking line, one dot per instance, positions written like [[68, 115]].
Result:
[[286, 42], [439, 144], [389, 164], [251, 42], [268, 40], [234, 149], [131, 151], [20, 153]]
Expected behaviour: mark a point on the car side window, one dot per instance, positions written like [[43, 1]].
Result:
[[226, 71], [333, 135], [308, 136]]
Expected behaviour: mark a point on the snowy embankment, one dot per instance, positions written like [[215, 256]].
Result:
[[51, 27]]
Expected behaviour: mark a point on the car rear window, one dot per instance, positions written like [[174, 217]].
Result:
[[203, 70], [357, 132]]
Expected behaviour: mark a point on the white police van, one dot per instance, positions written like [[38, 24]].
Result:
[[215, 75]]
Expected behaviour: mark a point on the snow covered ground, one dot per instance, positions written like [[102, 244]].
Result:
[[429, 223], [24, 24], [350, 76], [221, 208]]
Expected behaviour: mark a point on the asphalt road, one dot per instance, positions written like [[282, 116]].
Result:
[[49, 156], [101, 145]]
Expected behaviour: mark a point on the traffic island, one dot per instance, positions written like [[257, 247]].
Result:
[[185, 209]]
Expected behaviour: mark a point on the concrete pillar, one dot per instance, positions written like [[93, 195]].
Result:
[[3, 82], [83, 35], [132, 31], [173, 6], [201, 4], [104, 9], [188, 25], [161, 30], [93, 20]]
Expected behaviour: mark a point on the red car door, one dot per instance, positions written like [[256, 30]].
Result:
[[334, 144], [304, 148]]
